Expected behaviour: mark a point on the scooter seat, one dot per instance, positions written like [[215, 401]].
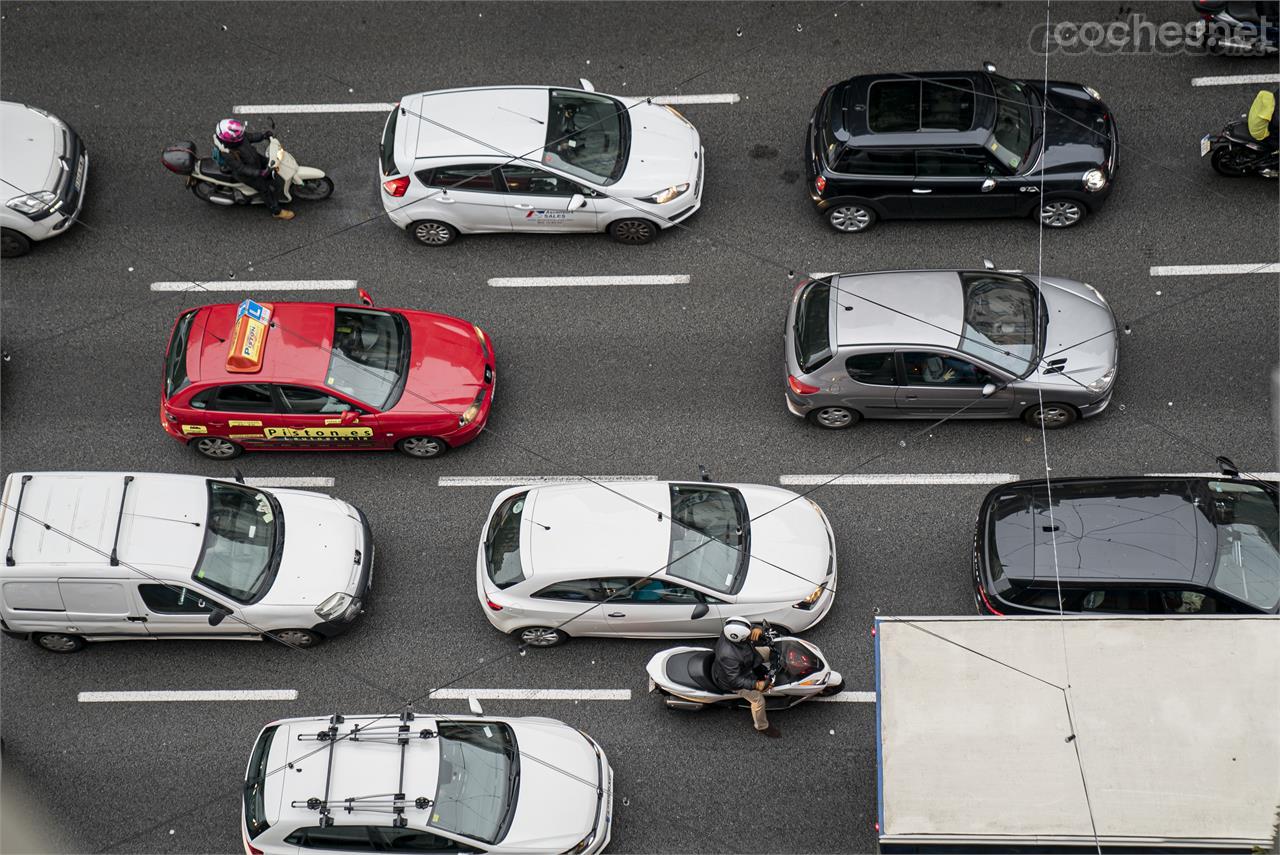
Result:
[[208, 166], [693, 668]]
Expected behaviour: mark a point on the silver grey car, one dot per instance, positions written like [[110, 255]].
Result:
[[923, 344]]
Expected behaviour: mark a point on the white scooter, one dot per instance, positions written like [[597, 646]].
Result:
[[207, 180], [796, 672]]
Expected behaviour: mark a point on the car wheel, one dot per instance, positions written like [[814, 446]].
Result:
[[422, 446], [433, 232], [1062, 213], [633, 232], [57, 642], [13, 244], [1227, 162], [303, 638], [1050, 416], [542, 636], [834, 418], [217, 448], [851, 217]]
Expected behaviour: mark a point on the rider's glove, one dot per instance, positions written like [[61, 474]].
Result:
[[263, 173]]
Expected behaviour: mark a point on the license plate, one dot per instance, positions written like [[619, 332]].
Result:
[[79, 173], [1205, 144]]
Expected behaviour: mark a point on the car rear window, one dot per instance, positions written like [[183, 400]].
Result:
[[389, 142], [175, 360], [876, 161], [502, 543], [812, 336], [709, 536], [904, 106]]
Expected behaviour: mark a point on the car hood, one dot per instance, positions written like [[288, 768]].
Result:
[[559, 777], [664, 151], [320, 541], [1081, 330], [30, 144], [790, 546], [1077, 134], [446, 365]]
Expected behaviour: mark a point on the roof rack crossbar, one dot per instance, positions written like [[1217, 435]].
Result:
[[115, 541], [379, 803], [17, 515], [325, 819], [402, 736]]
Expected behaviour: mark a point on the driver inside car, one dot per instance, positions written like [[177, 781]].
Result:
[[735, 667]]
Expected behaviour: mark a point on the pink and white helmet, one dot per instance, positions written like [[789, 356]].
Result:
[[230, 130]]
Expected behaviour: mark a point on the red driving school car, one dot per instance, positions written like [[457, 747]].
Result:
[[324, 376]]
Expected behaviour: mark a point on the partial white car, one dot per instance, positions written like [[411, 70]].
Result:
[[652, 559], [538, 159], [44, 167], [424, 783]]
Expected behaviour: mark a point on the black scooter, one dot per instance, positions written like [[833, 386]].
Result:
[[1236, 153]]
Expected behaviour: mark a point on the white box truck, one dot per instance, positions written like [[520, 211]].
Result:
[[1078, 734]]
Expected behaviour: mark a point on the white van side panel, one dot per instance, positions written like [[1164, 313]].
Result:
[[95, 598], [32, 596]]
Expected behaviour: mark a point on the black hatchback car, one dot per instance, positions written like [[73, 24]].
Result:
[[1146, 545], [958, 144]]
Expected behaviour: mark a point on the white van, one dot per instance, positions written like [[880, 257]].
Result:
[[106, 556]]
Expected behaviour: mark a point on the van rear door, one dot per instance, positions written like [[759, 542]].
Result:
[[101, 608]]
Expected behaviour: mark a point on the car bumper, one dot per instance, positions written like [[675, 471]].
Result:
[[684, 213], [603, 828], [71, 195], [794, 407], [364, 583], [1096, 407]]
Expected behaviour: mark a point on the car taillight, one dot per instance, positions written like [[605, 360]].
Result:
[[491, 604], [982, 592], [396, 186], [249, 848], [800, 388], [820, 184]]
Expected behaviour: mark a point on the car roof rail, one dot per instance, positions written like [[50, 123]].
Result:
[[17, 515]]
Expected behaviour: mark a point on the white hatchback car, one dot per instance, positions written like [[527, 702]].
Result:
[[44, 166], [538, 159], [423, 783], [652, 559]]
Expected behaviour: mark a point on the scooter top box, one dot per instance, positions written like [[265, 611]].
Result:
[[180, 157]]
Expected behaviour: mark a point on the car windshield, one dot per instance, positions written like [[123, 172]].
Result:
[[1014, 131], [1248, 523], [812, 337], [1000, 320], [709, 536], [502, 543], [175, 361], [242, 537], [370, 355], [479, 779], [588, 136]]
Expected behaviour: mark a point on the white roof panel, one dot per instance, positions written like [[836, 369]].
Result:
[[489, 122]]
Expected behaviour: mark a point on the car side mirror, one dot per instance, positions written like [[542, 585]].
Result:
[[577, 201], [988, 185], [239, 476], [988, 264], [988, 390], [989, 67], [584, 83], [700, 610], [350, 417], [217, 616], [474, 705]]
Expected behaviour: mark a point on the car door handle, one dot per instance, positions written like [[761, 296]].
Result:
[[919, 190], [137, 618], [523, 207], [910, 397], [445, 200], [617, 614]]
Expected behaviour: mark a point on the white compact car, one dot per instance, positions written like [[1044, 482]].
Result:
[[538, 159], [652, 559], [44, 166], [112, 556], [423, 783]]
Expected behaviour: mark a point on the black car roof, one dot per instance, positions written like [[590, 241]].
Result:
[[851, 97]]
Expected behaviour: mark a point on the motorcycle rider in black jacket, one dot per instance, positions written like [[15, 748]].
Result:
[[736, 665], [246, 164]]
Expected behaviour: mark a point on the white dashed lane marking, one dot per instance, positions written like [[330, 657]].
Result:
[[532, 694], [259, 285], [881, 479], [1214, 269], [850, 698], [1235, 80], [521, 480], [579, 281], [289, 482], [188, 695]]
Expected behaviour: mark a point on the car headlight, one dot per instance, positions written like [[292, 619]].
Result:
[[469, 414], [678, 114], [1094, 180], [1095, 292], [1103, 383], [484, 346], [335, 605], [1093, 93], [33, 203], [662, 197], [809, 601], [584, 844]]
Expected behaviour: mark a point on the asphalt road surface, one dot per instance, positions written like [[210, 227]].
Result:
[[609, 380]]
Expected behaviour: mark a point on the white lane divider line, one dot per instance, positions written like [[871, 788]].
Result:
[[368, 107], [1265, 476], [579, 281], [259, 285], [289, 481], [189, 695], [1235, 79], [877, 480], [849, 698], [533, 694], [718, 98], [1211, 269], [521, 480]]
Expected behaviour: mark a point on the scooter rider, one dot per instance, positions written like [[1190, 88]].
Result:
[[234, 151], [736, 664]]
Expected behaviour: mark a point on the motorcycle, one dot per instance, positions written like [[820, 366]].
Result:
[[1237, 153], [795, 672], [207, 180], [1237, 27]]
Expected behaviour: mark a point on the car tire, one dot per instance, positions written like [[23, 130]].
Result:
[[634, 231], [58, 642], [433, 233], [1061, 213], [541, 636], [1055, 416], [422, 447], [834, 418], [217, 448], [1227, 162], [13, 244], [303, 638], [850, 218]]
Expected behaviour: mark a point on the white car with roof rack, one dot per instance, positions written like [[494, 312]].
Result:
[[538, 159], [426, 783]]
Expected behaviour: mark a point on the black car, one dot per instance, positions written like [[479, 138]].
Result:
[[1145, 545], [958, 144]]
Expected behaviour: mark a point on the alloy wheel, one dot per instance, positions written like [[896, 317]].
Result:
[[1052, 416], [217, 447], [433, 234], [296, 637], [1060, 213], [540, 636], [833, 417], [633, 231], [422, 446], [59, 643], [849, 218]]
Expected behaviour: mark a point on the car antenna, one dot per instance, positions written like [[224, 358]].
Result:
[[540, 525]]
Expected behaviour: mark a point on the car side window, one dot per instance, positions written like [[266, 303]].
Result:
[[951, 163], [236, 398], [173, 600], [576, 590], [478, 176], [656, 591], [872, 161], [1046, 598], [349, 838], [536, 182], [1189, 602], [415, 840], [939, 369], [875, 369], [300, 399], [1130, 600]]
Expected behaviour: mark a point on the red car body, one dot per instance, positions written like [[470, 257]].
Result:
[[305, 379]]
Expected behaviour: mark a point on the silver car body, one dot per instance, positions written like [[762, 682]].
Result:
[[572, 534], [488, 126], [45, 168], [917, 312]]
